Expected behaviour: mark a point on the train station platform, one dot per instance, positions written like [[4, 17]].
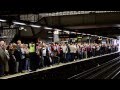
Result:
[[64, 70]]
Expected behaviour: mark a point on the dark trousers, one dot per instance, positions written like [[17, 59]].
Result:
[[12, 66], [93, 53], [33, 61], [27, 64], [80, 55], [89, 54], [61, 57], [1, 69], [21, 65], [64, 57], [55, 60], [68, 57], [97, 53], [38, 59], [72, 56], [41, 62], [46, 61]]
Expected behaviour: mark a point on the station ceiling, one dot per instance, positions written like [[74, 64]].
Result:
[[93, 23]]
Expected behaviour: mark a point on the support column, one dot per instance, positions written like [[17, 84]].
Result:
[[56, 36]]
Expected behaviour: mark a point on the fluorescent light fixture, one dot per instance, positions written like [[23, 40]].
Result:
[[83, 34], [47, 28], [49, 31], [78, 33], [67, 32], [4, 36], [88, 34], [58, 30], [79, 37], [25, 30], [50, 37], [73, 32], [117, 25], [36, 26], [92, 35], [19, 23], [95, 35], [2, 20]]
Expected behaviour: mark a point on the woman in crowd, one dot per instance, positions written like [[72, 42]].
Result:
[[23, 57]]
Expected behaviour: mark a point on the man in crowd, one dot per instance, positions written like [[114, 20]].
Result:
[[3, 59], [43, 54]]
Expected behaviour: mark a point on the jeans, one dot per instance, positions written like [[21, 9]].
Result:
[[80, 55], [27, 64], [64, 57], [33, 61], [68, 57], [17, 67], [85, 54], [46, 61], [72, 56]]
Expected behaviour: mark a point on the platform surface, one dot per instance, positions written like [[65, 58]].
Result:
[[51, 67]]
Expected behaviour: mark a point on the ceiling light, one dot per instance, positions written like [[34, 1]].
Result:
[[95, 35], [88, 34], [19, 23], [1, 20], [116, 25], [67, 32], [36, 26], [47, 28], [83, 34], [92, 35], [58, 30], [25, 30], [73, 32], [50, 37], [78, 33]]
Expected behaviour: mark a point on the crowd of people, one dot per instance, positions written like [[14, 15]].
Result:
[[19, 57]]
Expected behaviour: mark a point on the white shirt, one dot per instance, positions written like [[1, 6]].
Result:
[[72, 49], [23, 52], [44, 51], [64, 48]]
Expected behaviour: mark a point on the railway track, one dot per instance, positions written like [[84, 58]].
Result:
[[108, 70]]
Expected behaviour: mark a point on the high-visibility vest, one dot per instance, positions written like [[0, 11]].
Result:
[[32, 48]]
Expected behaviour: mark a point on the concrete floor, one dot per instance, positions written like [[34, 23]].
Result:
[[51, 67]]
